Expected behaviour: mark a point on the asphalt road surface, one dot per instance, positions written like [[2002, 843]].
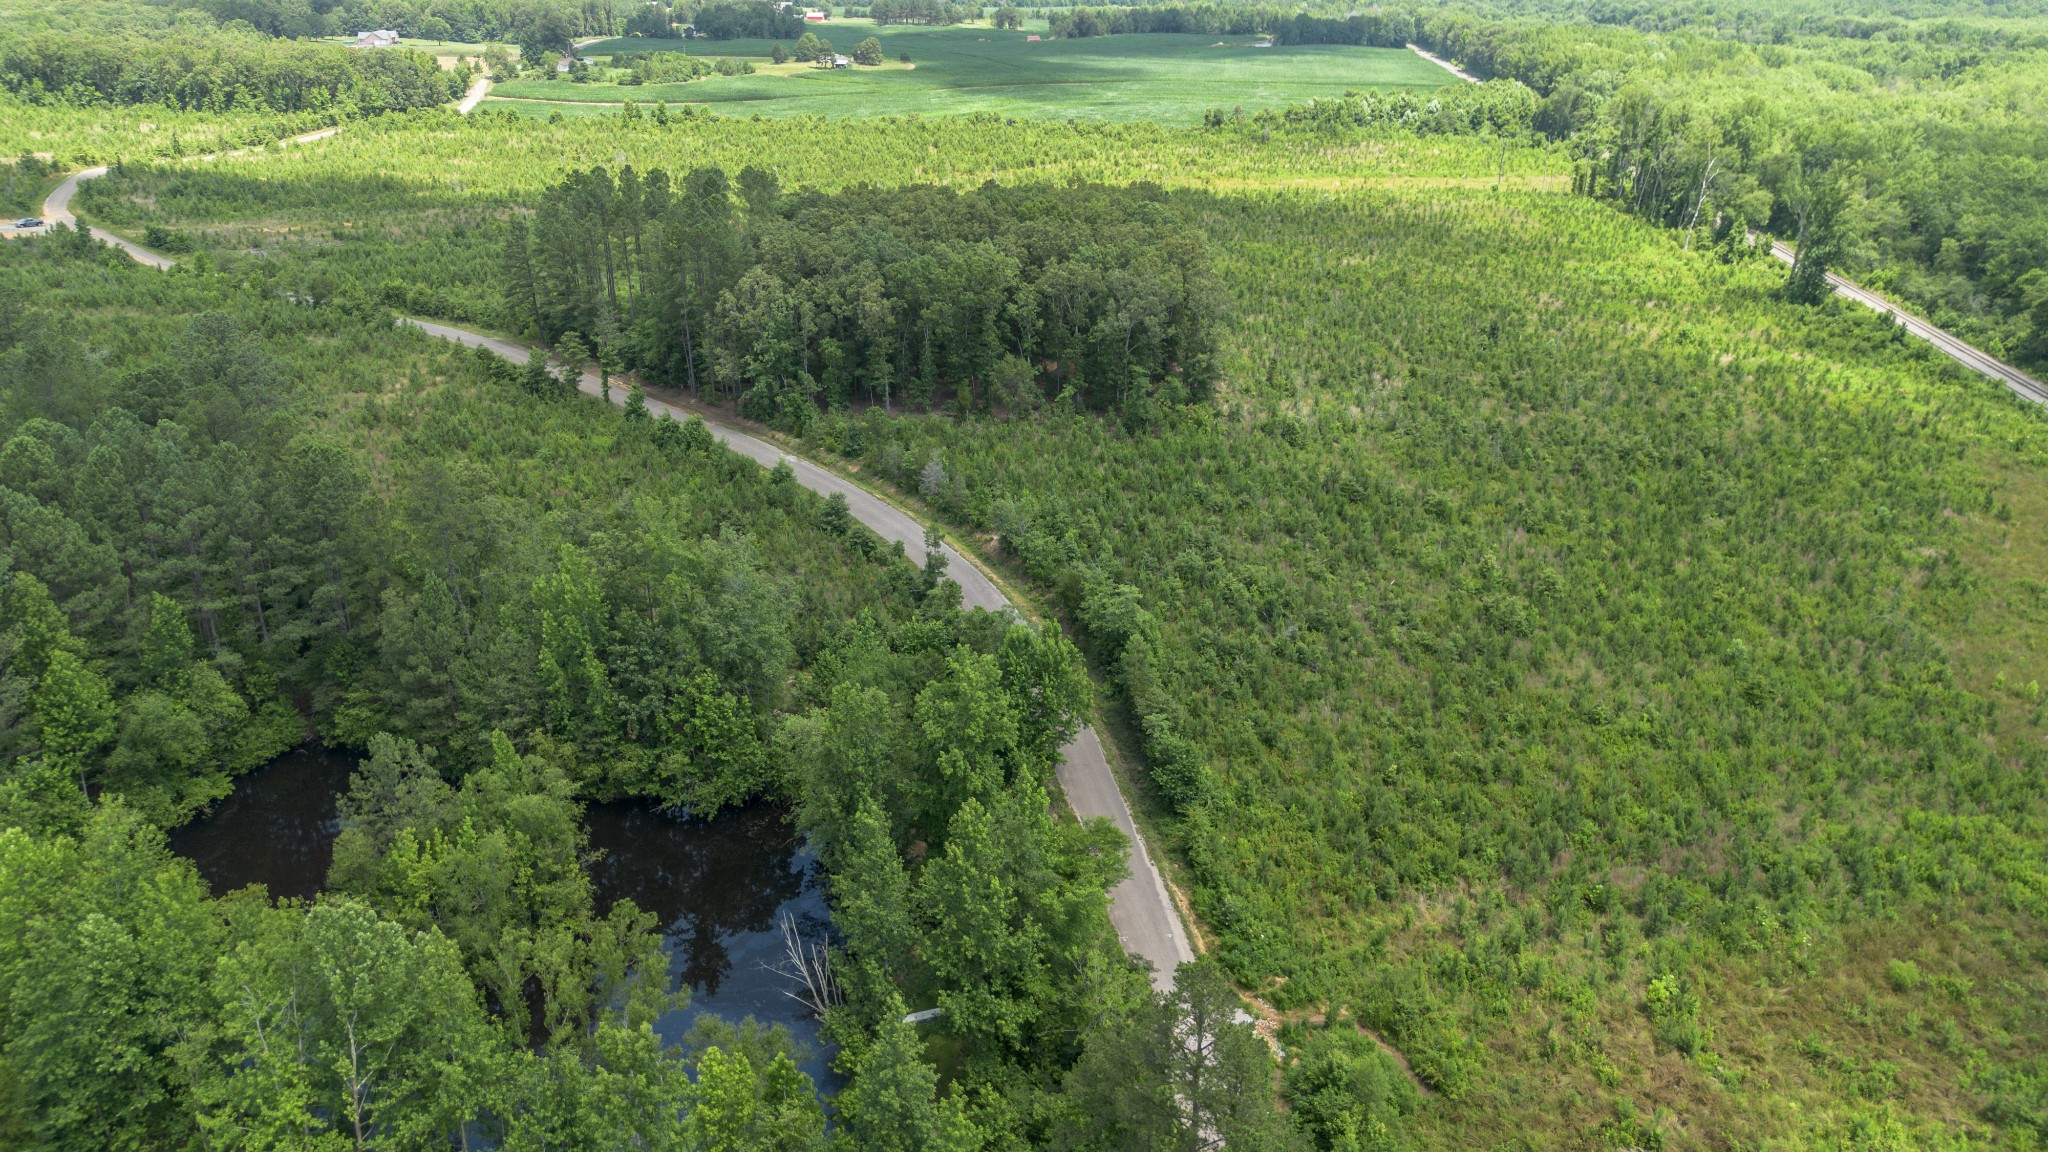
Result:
[[1967, 355], [1139, 906]]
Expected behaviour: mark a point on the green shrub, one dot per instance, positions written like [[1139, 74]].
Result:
[[1903, 975], [1347, 1093], [1674, 1010], [165, 240]]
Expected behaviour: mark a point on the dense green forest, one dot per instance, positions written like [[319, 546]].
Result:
[[1006, 299], [752, 20], [1588, 696], [1549, 639], [283, 513], [921, 12], [1379, 28], [221, 73], [473, 21]]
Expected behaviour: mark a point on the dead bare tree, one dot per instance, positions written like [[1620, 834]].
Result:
[[808, 965], [1706, 182]]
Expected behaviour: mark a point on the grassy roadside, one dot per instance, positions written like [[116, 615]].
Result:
[[1112, 719]]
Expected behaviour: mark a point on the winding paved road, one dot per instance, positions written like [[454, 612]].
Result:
[[57, 210], [1139, 906]]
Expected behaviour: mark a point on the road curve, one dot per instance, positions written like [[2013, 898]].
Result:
[[57, 210], [1139, 906], [1968, 355]]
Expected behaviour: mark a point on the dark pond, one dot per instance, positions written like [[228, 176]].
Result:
[[720, 886], [276, 829]]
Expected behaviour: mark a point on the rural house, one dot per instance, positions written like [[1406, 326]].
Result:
[[381, 38]]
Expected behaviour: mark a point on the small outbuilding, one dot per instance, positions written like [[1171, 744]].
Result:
[[1031, 39], [839, 61]]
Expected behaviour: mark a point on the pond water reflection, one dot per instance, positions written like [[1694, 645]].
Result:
[[719, 887], [276, 829]]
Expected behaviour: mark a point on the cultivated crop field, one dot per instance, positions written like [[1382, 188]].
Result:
[[1162, 78]]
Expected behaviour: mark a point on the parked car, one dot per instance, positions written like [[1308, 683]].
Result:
[[27, 222]]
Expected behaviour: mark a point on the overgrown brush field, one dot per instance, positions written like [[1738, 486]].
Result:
[[1605, 681], [1166, 79], [1549, 644], [413, 201], [72, 137]]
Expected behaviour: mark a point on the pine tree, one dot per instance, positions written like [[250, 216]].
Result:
[[573, 355], [521, 291]]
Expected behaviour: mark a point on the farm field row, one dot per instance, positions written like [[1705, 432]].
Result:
[[1167, 79]]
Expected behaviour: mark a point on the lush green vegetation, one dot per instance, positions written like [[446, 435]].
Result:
[[221, 73], [1282, 555], [1380, 28], [1547, 649], [1004, 299], [410, 209], [472, 21], [68, 137], [282, 513], [1918, 141], [758, 20], [975, 68]]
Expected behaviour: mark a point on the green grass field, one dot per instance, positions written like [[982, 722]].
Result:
[[1167, 79]]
